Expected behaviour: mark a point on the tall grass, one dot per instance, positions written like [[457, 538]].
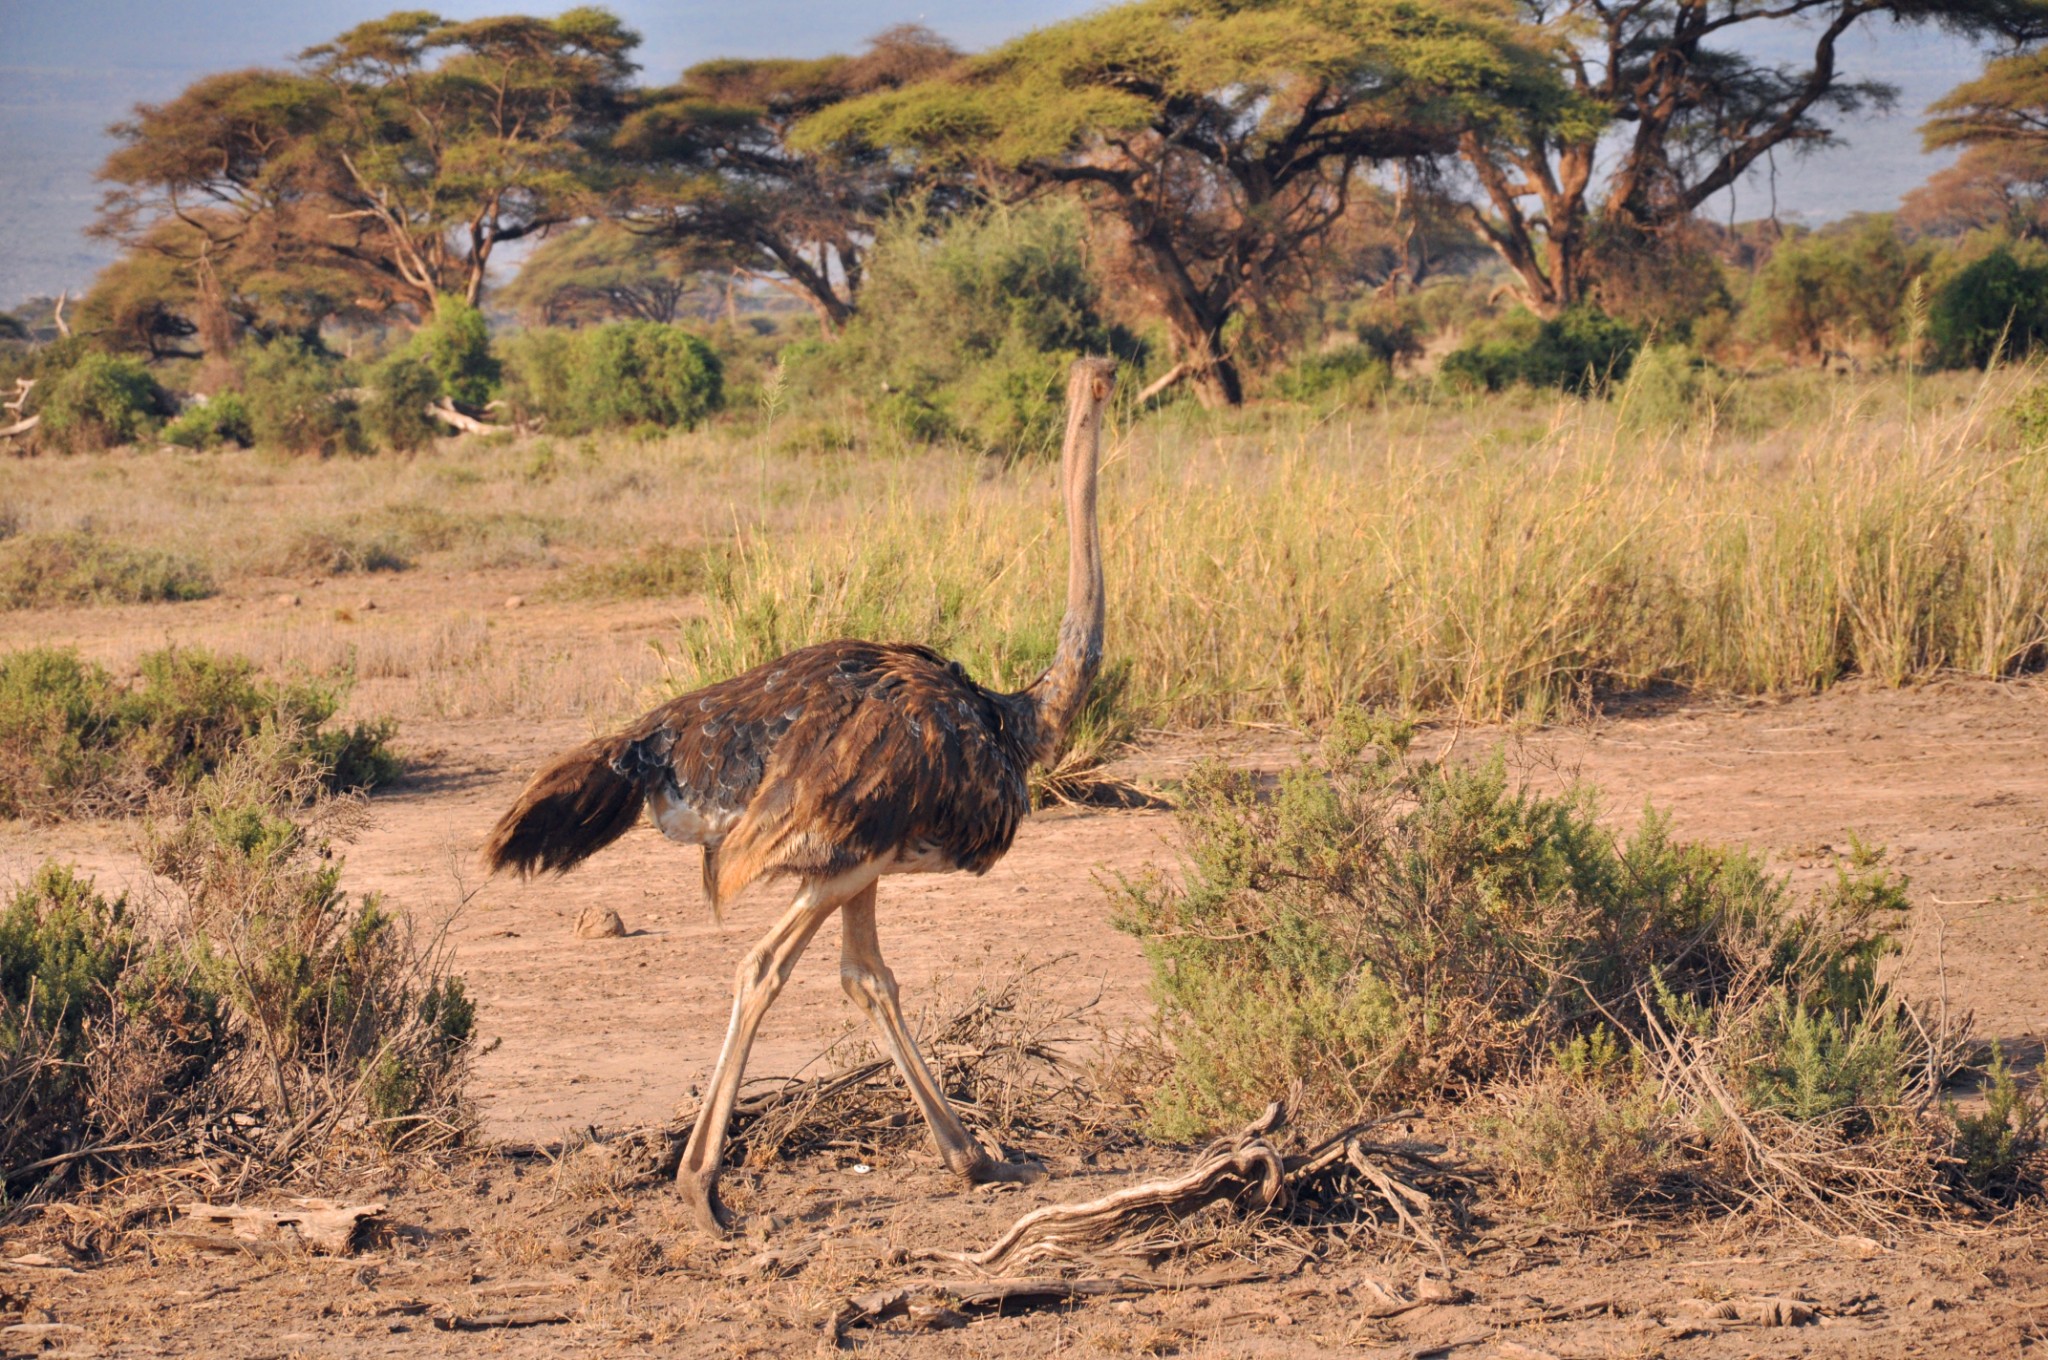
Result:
[[1490, 559]]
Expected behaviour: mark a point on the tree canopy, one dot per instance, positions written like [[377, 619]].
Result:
[[1691, 113], [600, 271], [381, 173], [1222, 137], [710, 165]]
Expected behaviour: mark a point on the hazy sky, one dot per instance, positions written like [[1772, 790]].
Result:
[[70, 67]]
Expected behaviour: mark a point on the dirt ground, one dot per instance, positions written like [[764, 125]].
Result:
[[1952, 778]]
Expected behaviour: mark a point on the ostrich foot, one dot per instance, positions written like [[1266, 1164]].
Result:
[[709, 1213]]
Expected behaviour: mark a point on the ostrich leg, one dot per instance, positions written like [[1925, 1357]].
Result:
[[761, 975], [873, 988]]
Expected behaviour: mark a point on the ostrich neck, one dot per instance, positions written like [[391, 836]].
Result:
[[1064, 688]]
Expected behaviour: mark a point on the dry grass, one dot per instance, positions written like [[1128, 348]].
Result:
[[1506, 559], [1510, 556]]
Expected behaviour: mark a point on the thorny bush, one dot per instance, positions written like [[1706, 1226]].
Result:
[[1382, 932], [259, 1013], [72, 740]]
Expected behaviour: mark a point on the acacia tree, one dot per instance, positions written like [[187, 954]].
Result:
[[599, 270], [2000, 123], [210, 198], [381, 174], [450, 139], [1692, 112], [1221, 137], [714, 169], [1997, 184]]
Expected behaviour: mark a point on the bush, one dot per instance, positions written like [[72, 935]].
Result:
[[1354, 373], [627, 373], [209, 423], [41, 571], [1994, 307], [402, 388], [644, 373], [352, 1014], [968, 327], [99, 1031], [1836, 286], [296, 395], [1382, 932], [1583, 1145], [101, 401], [271, 1016], [455, 347], [71, 740], [1581, 350], [1669, 387]]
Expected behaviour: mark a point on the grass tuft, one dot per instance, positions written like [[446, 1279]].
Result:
[[46, 570]]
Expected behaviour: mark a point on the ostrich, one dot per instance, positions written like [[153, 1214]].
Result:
[[836, 764]]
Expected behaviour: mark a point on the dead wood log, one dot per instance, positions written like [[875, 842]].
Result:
[[322, 1225], [936, 1304], [445, 412], [484, 1322], [1233, 1169], [22, 387], [22, 426], [1162, 382]]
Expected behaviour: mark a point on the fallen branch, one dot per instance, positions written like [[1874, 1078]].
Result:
[[1162, 382], [77, 1154], [937, 1304], [445, 412], [22, 426], [1233, 1169], [484, 1322], [321, 1225]]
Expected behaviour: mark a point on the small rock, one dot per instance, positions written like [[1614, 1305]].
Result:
[[515, 601], [1862, 1248], [599, 923], [287, 601], [1430, 1289], [367, 605]]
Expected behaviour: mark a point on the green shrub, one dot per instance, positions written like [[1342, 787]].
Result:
[[967, 327], [40, 571], [268, 1013], [102, 1030], [1669, 388], [221, 419], [1833, 287], [539, 362], [455, 346], [1999, 1147], [624, 374], [1583, 1146], [1358, 373], [297, 399], [350, 1012], [101, 401], [643, 373], [1382, 932], [1996, 306], [402, 388], [1581, 350], [72, 740]]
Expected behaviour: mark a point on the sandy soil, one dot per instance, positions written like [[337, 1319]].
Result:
[[1952, 778]]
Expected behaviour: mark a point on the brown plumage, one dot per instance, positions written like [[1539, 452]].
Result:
[[811, 764], [836, 764]]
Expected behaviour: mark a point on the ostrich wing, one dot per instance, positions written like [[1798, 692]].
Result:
[[842, 754]]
